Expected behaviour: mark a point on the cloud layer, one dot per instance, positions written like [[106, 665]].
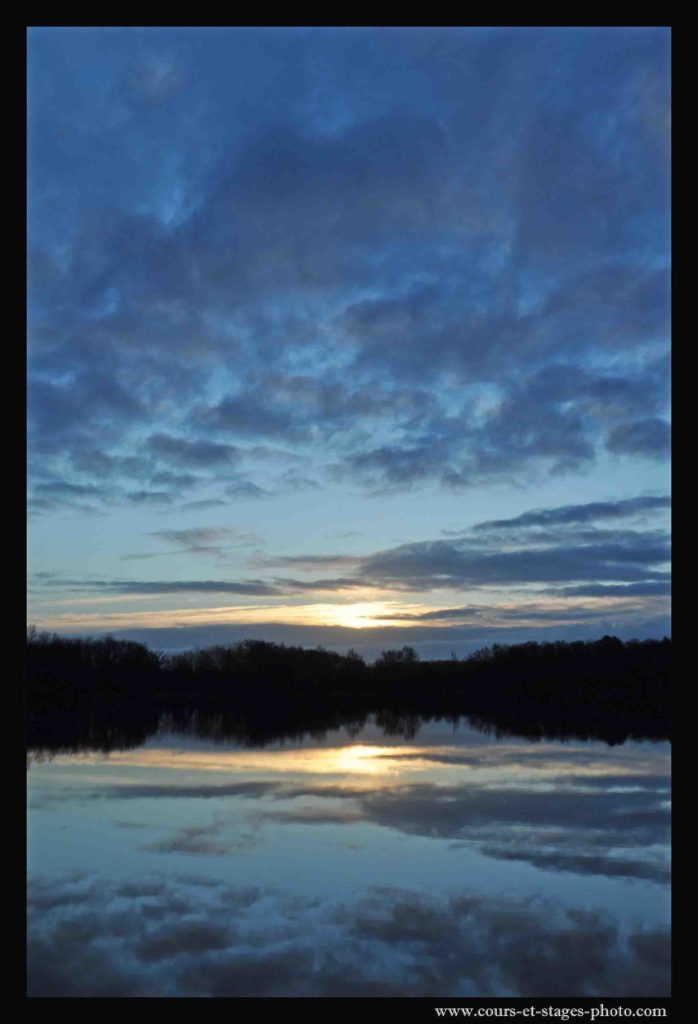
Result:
[[579, 569], [269, 260]]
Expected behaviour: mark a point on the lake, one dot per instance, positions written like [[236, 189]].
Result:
[[426, 858]]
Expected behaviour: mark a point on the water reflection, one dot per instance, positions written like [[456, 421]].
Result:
[[423, 858], [124, 726], [191, 937]]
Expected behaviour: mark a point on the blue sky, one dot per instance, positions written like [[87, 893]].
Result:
[[354, 337]]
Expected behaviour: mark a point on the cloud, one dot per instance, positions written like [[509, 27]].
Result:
[[437, 260], [313, 562], [601, 821], [199, 938], [202, 840], [200, 540], [582, 863], [171, 791], [649, 437], [472, 558], [592, 511], [175, 942], [429, 564], [431, 641], [649, 588], [251, 587], [571, 572], [460, 811], [183, 451], [524, 612]]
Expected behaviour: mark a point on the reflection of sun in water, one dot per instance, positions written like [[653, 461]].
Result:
[[354, 759], [361, 759]]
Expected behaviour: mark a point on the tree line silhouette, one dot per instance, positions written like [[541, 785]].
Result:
[[606, 688]]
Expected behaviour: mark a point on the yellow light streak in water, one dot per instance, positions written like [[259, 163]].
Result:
[[354, 759]]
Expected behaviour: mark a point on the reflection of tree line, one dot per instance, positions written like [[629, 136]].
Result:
[[107, 694]]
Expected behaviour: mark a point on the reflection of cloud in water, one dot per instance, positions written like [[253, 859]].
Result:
[[203, 839], [575, 809], [603, 832], [196, 937], [361, 759]]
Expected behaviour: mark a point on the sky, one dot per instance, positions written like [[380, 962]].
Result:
[[349, 337]]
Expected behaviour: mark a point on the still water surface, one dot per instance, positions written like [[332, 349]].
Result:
[[447, 863]]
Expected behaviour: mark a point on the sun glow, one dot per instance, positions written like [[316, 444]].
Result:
[[356, 615], [362, 615]]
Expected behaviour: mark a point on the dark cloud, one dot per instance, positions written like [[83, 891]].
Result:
[[144, 790], [592, 511], [432, 564], [148, 498], [583, 863], [174, 942], [414, 257], [205, 840], [523, 612], [199, 540], [452, 812], [538, 547], [581, 826], [251, 587], [554, 418], [196, 939], [649, 588], [650, 437], [182, 451], [204, 503]]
